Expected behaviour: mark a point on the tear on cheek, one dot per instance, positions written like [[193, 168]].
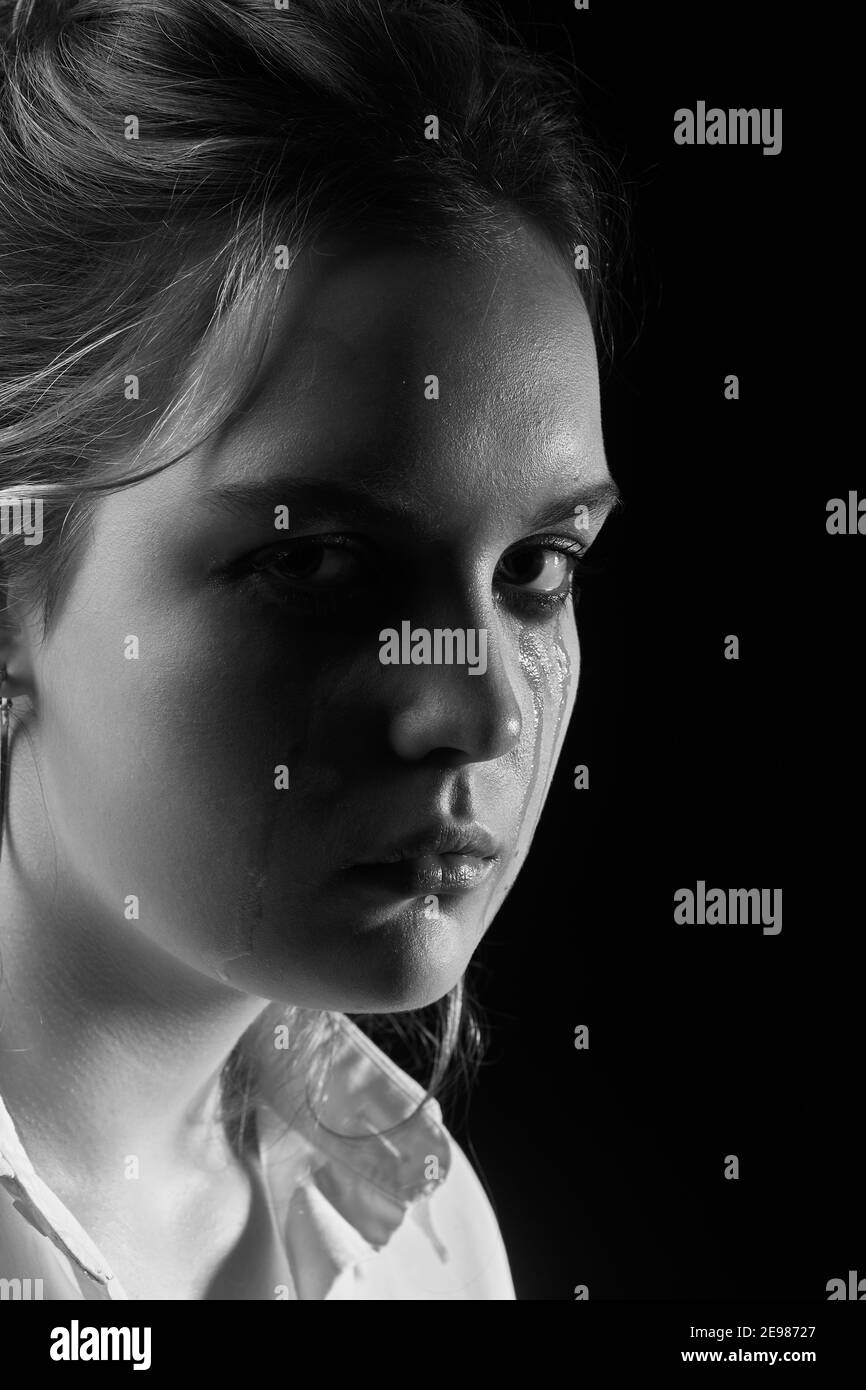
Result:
[[547, 665], [228, 971], [247, 914]]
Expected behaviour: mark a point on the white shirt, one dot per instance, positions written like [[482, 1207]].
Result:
[[398, 1216]]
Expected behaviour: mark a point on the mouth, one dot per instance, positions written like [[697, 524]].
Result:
[[430, 873], [447, 859]]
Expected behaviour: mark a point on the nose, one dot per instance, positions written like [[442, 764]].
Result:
[[450, 711]]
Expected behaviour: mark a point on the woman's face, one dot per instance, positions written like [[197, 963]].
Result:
[[258, 648]]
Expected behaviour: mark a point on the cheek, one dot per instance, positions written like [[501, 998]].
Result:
[[550, 664], [160, 775], [550, 668]]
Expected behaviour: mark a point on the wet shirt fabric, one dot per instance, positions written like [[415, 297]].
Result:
[[352, 1215]]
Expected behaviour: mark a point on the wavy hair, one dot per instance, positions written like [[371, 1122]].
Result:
[[153, 156]]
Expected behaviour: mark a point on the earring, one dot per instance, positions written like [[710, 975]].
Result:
[[5, 711]]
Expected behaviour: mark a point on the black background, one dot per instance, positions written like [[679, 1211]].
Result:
[[605, 1167]]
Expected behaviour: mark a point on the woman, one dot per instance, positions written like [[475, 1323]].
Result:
[[300, 456]]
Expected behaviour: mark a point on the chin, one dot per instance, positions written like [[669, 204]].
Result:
[[396, 987], [401, 965], [388, 961]]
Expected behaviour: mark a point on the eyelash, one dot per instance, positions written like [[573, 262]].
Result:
[[254, 570]]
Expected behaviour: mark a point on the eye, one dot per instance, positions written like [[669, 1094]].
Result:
[[537, 568], [318, 563], [537, 579], [316, 575]]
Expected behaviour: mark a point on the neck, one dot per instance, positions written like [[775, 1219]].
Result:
[[110, 1049]]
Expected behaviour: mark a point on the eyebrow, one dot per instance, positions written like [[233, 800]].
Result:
[[369, 502], [600, 499]]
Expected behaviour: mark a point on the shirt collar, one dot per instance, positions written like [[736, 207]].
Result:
[[374, 1149], [34, 1200]]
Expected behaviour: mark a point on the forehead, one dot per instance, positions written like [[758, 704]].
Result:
[[477, 370]]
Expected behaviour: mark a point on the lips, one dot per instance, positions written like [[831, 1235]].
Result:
[[442, 839], [446, 858]]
